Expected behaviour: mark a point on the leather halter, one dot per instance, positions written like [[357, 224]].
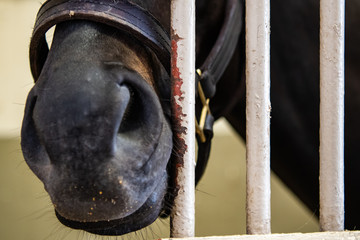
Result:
[[116, 13], [139, 23], [208, 76]]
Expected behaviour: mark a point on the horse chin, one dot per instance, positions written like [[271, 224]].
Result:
[[142, 217]]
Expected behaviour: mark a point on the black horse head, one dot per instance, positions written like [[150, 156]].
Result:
[[97, 127]]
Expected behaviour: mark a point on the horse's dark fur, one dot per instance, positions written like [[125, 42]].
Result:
[[97, 126]]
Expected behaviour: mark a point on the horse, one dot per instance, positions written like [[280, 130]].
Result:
[[98, 125]]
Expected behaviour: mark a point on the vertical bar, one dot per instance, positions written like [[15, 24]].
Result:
[[258, 116], [183, 105], [332, 115]]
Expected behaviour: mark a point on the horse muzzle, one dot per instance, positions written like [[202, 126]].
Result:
[[100, 143]]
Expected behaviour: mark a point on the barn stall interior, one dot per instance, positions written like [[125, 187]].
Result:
[[219, 211]]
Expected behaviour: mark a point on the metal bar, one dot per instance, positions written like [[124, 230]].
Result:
[[332, 115], [258, 116], [183, 105], [343, 235]]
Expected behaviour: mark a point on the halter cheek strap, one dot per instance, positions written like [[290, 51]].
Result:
[[140, 24], [208, 76]]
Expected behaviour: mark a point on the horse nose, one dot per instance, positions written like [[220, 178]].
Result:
[[87, 116], [76, 117], [90, 135]]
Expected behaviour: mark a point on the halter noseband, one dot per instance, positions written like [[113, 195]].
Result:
[[142, 25]]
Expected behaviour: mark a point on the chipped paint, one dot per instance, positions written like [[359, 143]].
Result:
[[177, 110], [183, 115]]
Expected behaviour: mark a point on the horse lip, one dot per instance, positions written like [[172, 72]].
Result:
[[141, 218]]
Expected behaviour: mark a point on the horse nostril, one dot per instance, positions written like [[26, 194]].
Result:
[[33, 151], [132, 115], [29, 135], [142, 113]]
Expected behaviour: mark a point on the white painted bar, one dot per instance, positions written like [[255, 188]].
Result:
[[258, 116], [346, 235], [332, 115], [183, 77]]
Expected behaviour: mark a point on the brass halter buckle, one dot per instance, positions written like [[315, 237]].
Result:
[[204, 112]]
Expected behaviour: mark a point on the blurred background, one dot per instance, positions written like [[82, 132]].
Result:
[[25, 209]]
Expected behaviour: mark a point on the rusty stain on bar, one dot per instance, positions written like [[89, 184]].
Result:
[[183, 107], [332, 17], [258, 116]]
